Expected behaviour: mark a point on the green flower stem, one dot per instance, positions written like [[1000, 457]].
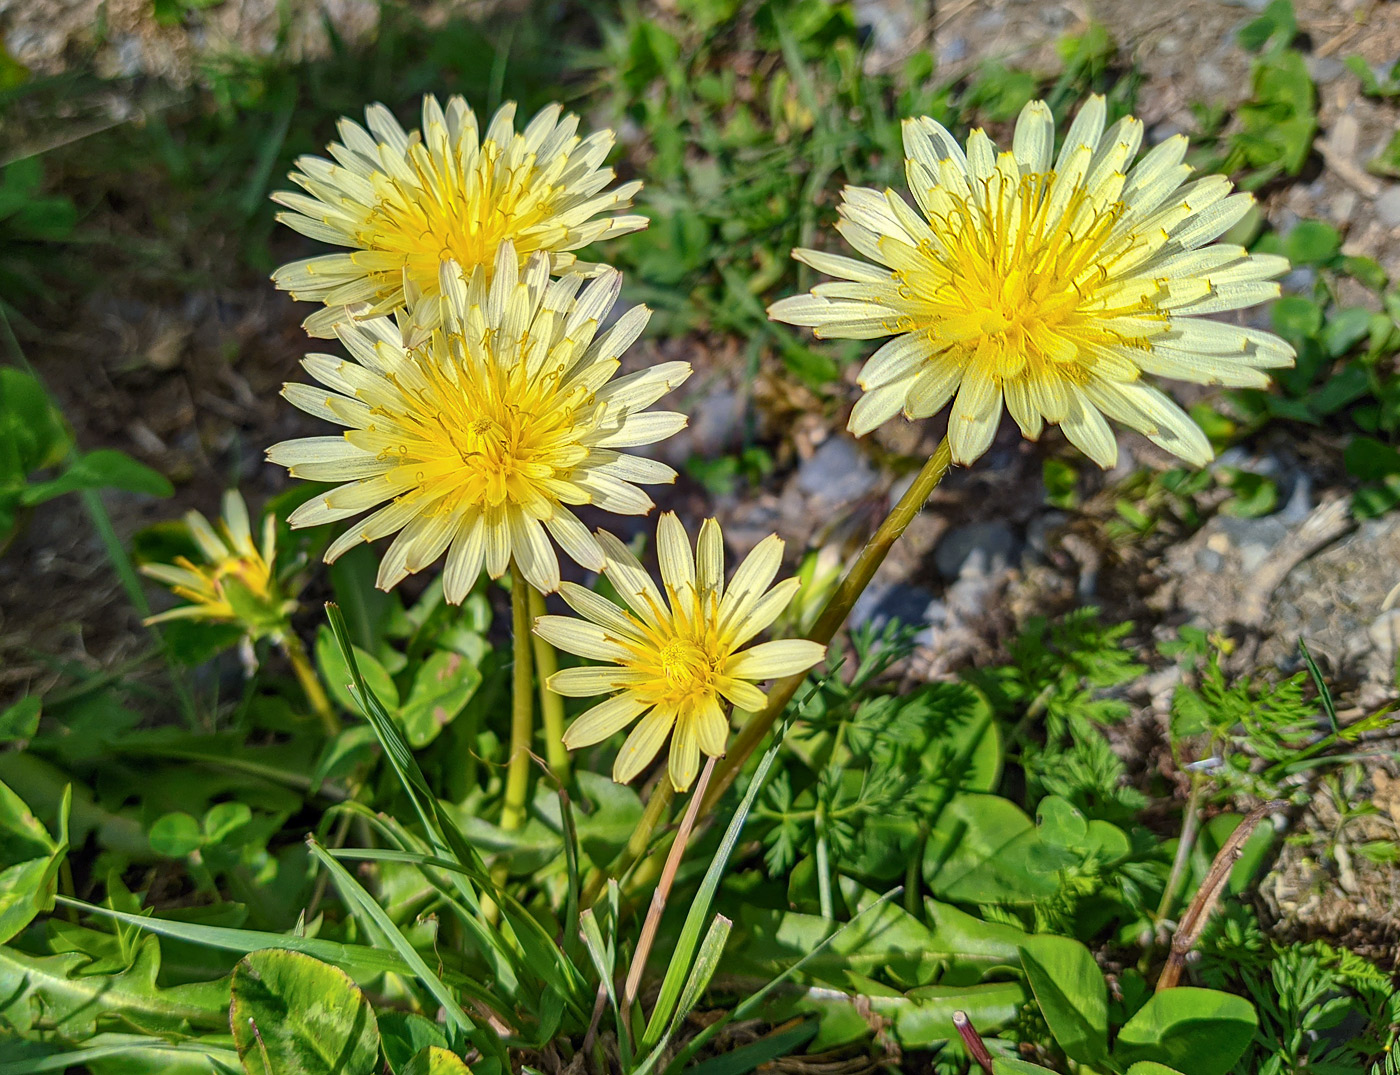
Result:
[[522, 705], [551, 705], [838, 607], [310, 683]]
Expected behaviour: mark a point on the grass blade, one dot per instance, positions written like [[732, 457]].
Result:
[[358, 899], [679, 967], [749, 1005], [355, 959]]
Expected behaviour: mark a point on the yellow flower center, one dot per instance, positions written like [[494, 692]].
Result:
[[484, 438], [1022, 285], [684, 658], [454, 213]]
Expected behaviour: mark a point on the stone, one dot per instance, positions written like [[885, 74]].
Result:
[[1388, 206], [836, 472], [994, 542], [885, 601]]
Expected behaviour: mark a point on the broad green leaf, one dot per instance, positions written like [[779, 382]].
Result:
[[131, 1054], [1149, 1067], [55, 993], [435, 1060], [985, 848], [21, 720], [1060, 822], [175, 835], [1202, 1031], [294, 1015], [1312, 242], [403, 1035], [1070, 989], [26, 890], [919, 1019], [223, 819], [1010, 1065], [441, 687], [33, 434]]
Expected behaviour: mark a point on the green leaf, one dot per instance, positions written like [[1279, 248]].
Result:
[[435, 1060], [1010, 1065], [54, 993], [175, 835], [1312, 242], [1345, 329], [1199, 1030], [223, 819], [441, 687], [105, 468], [1070, 989], [294, 1015], [1368, 459], [335, 673], [985, 848], [21, 720], [33, 434], [1151, 1067], [1296, 318], [404, 1035], [1276, 23]]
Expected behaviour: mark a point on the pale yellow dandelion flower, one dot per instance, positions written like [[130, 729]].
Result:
[[235, 584], [1050, 284], [679, 655], [477, 437], [406, 203]]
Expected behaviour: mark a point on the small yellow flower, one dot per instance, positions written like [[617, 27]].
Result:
[[679, 656], [482, 432], [1050, 287], [236, 583], [407, 203]]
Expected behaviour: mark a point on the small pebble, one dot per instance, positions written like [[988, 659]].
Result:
[[1388, 206]]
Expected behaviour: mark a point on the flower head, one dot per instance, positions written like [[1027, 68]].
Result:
[[679, 655], [407, 203], [236, 583], [1051, 287], [480, 433]]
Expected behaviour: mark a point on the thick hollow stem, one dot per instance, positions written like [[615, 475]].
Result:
[[310, 683], [838, 607], [551, 705], [522, 705]]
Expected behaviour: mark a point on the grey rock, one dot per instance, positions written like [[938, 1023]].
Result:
[[952, 50], [716, 422], [1243, 533], [1388, 206], [994, 545], [1209, 561], [836, 472], [1300, 501], [1384, 633], [1324, 68], [1039, 529], [883, 602], [1300, 280]]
